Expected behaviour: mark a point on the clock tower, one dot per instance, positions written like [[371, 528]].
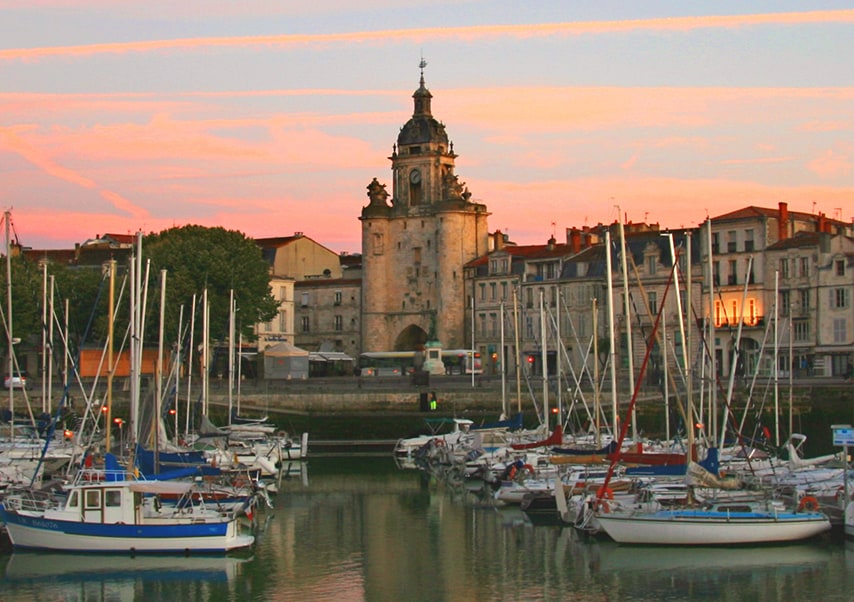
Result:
[[416, 241]]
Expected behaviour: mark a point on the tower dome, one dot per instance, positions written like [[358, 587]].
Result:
[[422, 127]]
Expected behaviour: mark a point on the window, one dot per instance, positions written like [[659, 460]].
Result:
[[720, 319], [113, 498], [304, 300], [748, 240], [483, 331], [784, 267], [416, 255], [74, 500], [733, 272], [804, 294], [785, 303], [716, 243], [839, 298], [283, 293], [652, 299], [840, 267], [840, 330], [304, 324], [337, 297], [752, 318], [492, 286], [650, 265], [748, 269], [93, 498], [731, 241], [339, 323], [483, 291], [529, 327], [504, 291], [283, 321], [802, 330], [716, 272], [805, 267], [493, 325], [734, 316], [377, 243]]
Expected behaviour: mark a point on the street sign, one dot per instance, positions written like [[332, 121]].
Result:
[[843, 434]]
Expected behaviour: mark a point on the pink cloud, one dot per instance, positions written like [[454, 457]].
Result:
[[830, 165], [435, 35]]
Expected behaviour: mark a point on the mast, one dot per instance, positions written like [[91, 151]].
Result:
[[612, 349], [628, 321], [503, 359], [9, 337], [598, 411], [190, 367], [110, 368], [544, 368], [230, 352], [518, 353], [713, 401]]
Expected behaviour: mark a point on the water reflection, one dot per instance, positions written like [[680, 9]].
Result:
[[363, 530]]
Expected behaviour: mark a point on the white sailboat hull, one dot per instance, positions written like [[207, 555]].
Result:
[[704, 528]]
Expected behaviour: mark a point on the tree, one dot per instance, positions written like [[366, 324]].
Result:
[[197, 258]]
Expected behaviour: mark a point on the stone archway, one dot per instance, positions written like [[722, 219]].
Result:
[[411, 338]]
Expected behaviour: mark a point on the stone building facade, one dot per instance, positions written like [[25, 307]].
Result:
[[416, 240]]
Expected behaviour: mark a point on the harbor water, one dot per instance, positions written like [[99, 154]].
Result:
[[352, 529]]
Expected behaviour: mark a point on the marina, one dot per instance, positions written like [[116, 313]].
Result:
[[356, 528]]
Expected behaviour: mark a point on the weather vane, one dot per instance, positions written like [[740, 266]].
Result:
[[422, 64]]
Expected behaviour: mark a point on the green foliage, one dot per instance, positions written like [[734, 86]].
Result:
[[197, 258]]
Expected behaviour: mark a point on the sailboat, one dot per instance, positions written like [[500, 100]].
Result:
[[109, 513]]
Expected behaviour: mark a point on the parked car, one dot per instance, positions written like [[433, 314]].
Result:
[[19, 381]]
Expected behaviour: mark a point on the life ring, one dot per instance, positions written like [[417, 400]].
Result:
[[605, 493], [808, 503], [529, 469], [439, 442]]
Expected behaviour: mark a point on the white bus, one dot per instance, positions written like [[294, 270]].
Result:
[[401, 363]]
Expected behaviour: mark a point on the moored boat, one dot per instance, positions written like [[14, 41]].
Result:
[[119, 516]]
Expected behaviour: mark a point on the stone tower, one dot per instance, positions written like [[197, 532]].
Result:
[[416, 241]]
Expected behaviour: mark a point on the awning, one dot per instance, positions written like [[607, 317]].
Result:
[[329, 356], [336, 356]]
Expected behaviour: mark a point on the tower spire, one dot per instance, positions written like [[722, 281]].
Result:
[[422, 95]]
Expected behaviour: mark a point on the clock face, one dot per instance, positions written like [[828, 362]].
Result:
[[415, 176]]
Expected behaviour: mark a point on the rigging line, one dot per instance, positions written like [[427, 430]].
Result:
[[624, 427], [74, 369]]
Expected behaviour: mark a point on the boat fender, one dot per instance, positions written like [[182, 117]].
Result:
[[808, 503], [605, 493], [512, 473]]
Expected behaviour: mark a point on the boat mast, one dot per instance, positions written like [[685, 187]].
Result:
[[190, 367], [713, 393], [9, 336], [110, 365], [628, 321], [612, 344], [544, 368], [503, 360], [231, 352]]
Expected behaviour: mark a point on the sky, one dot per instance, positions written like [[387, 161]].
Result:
[[272, 116]]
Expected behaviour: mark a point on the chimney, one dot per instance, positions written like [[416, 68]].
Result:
[[783, 222], [822, 224], [575, 240], [551, 243], [498, 240]]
